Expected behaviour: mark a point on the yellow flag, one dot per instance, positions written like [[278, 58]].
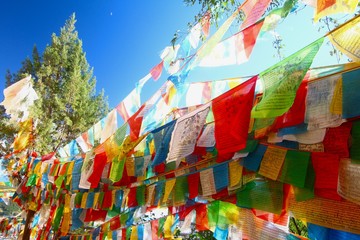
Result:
[[336, 101], [347, 39], [134, 233], [65, 226], [24, 136], [169, 185], [340, 6], [235, 172], [167, 226], [84, 199]]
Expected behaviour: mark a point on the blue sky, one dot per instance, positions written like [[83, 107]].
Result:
[[123, 39]]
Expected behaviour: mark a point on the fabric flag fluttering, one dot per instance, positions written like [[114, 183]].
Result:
[[207, 47], [347, 39], [232, 117], [234, 50], [18, 98], [328, 7], [281, 82]]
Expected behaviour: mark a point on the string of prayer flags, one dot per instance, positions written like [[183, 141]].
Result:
[[234, 50], [208, 46], [326, 7], [232, 117], [185, 134], [282, 80]]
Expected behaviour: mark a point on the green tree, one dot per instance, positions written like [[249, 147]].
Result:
[[68, 104]]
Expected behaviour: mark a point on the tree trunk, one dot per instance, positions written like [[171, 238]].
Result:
[[27, 230]]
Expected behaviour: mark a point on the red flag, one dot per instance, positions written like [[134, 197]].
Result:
[[202, 222], [336, 140], [99, 164], [107, 200], [326, 168], [257, 10], [156, 71], [154, 229], [296, 114], [232, 117], [115, 223], [135, 122], [245, 41], [193, 180], [132, 198]]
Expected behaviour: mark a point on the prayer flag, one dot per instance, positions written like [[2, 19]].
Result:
[[328, 7], [157, 70], [257, 10], [282, 81], [351, 94], [234, 50], [185, 133], [326, 168], [347, 37], [232, 117]]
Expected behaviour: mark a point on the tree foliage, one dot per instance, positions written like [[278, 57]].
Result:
[[68, 103]]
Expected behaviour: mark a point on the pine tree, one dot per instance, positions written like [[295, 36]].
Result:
[[68, 104]]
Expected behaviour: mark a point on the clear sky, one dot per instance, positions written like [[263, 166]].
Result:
[[123, 39]]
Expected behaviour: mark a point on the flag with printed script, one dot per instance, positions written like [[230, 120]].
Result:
[[257, 10], [347, 39], [282, 81], [232, 116]]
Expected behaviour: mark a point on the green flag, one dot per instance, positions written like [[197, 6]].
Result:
[[281, 81]]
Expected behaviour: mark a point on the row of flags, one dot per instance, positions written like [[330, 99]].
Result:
[[175, 157]]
